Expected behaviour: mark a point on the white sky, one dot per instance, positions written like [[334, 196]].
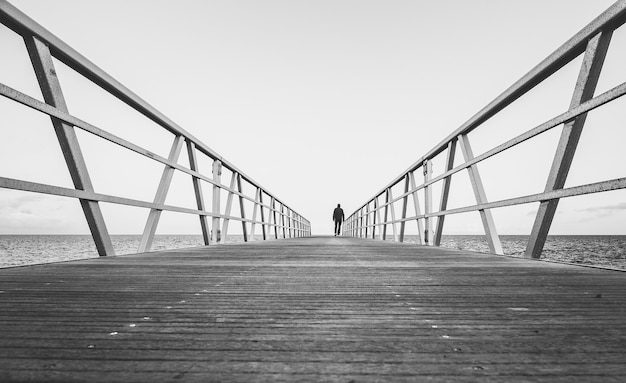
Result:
[[322, 102]]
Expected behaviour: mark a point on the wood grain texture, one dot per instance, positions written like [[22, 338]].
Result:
[[312, 309]]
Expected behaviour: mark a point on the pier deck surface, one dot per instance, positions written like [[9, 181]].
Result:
[[312, 309]]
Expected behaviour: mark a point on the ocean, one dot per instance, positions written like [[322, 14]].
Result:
[[598, 250]]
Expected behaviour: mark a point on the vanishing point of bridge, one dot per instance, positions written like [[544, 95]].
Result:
[[313, 308]]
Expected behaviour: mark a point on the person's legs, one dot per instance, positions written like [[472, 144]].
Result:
[[337, 227]]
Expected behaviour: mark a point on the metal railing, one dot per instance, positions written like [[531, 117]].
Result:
[[592, 42], [42, 46]]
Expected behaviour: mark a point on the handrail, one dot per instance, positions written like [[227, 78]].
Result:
[[592, 41], [42, 45]]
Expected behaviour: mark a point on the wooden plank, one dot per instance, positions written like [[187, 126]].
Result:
[[312, 309], [50, 86]]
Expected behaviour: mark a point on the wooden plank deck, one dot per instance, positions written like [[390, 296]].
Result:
[[312, 309]]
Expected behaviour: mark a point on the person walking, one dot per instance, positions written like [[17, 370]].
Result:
[[338, 218]]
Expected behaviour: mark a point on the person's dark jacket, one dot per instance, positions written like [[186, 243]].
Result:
[[338, 214]]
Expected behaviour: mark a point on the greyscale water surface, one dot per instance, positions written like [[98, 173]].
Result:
[[598, 250]]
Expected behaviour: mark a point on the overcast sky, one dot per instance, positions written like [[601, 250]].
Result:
[[322, 102]]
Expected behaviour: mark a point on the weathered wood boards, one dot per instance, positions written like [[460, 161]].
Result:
[[312, 309]]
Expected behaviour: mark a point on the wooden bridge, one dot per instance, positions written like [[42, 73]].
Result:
[[312, 309]]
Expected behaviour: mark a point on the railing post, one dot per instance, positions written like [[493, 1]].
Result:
[[392, 210], [588, 77], [481, 197], [380, 222], [404, 204], [445, 192], [254, 214], [229, 204], [217, 177], [367, 219], [274, 215], [289, 222], [428, 202], [360, 223], [386, 214], [50, 87], [197, 188], [416, 206], [164, 185], [375, 212], [282, 217], [241, 209], [262, 215]]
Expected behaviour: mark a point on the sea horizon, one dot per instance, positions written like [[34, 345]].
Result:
[[604, 250]]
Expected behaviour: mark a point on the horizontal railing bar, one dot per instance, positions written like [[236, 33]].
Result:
[[28, 186], [569, 115], [50, 110], [612, 18], [596, 187], [22, 24]]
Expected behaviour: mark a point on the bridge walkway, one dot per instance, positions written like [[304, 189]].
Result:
[[312, 309]]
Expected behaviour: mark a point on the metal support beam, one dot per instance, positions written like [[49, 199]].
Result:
[[282, 219], [274, 215], [360, 220], [375, 213], [217, 191], [416, 206], [392, 210], [428, 202], [386, 214], [405, 200], [229, 204], [367, 219], [588, 77], [197, 188], [479, 191], [445, 192], [380, 222], [164, 185], [254, 213], [262, 215], [50, 86], [242, 209]]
